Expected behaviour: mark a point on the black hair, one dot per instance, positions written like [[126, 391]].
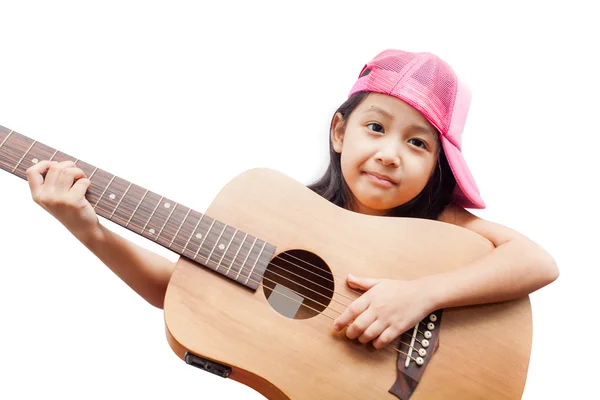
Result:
[[429, 204]]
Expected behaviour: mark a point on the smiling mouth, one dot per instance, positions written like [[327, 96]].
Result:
[[379, 180]]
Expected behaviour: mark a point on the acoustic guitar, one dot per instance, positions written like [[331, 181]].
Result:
[[261, 277]]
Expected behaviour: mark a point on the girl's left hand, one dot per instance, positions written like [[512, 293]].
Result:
[[387, 309]]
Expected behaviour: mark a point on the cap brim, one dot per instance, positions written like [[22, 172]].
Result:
[[466, 194]]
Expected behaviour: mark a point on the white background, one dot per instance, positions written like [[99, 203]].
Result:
[[179, 98]]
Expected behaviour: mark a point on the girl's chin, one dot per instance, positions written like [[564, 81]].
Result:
[[374, 207]]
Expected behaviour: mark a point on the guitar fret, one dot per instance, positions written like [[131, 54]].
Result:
[[192, 234], [216, 243], [132, 214], [120, 200], [104, 191], [162, 221], [227, 249], [255, 262], [5, 139], [246, 259], [153, 211], [142, 221], [105, 200], [24, 155], [15, 148], [51, 158], [163, 227], [204, 239], [95, 169], [236, 254], [178, 229]]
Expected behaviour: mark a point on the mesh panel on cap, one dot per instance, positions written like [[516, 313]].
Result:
[[440, 82], [430, 81], [393, 62]]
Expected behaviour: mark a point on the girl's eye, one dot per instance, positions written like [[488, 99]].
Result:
[[418, 143], [374, 126]]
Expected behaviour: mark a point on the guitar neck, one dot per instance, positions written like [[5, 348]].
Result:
[[194, 235]]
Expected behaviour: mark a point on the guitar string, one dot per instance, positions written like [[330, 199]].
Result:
[[306, 262], [315, 283], [7, 150], [284, 277], [416, 338], [278, 256], [242, 269], [143, 208], [283, 294], [146, 209], [422, 333]]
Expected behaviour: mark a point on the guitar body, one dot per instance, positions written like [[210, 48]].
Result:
[[483, 350]]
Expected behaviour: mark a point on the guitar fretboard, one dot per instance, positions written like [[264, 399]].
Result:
[[196, 236]]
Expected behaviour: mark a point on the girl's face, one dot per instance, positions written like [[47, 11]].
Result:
[[388, 152]]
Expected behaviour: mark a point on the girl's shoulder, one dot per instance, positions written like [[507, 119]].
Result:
[[494, 232], [457, 215]]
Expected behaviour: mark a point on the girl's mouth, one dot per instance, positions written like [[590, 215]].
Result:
[[379, 180]]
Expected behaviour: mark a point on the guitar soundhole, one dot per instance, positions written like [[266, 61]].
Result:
[[298, 284]]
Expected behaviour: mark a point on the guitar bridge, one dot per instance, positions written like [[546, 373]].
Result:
[[412, 359], [207, 365]]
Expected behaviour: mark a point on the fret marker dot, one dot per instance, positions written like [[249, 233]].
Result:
[[167, 205], [221, 246], [35, 161], [152, 231], [199, 236], [112, 196]]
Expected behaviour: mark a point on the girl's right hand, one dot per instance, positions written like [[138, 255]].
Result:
[[62, 194]]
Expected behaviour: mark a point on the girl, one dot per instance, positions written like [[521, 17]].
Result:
[[395, 149]]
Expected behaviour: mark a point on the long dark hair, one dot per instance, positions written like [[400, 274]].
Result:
[[428, 204]]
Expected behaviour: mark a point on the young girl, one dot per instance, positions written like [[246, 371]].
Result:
[[395, 149]]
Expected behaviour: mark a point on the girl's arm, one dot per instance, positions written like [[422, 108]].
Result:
[[146, 272], [516, 267], [513, 269], [60, 189]]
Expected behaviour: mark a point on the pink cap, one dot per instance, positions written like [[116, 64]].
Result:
[[428, 84]]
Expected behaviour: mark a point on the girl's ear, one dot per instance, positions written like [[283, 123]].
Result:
[[337, 132]]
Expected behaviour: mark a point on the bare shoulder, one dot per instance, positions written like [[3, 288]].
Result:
[[494, 232]]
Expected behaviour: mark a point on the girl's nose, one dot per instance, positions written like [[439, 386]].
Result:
[[389, 157]]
